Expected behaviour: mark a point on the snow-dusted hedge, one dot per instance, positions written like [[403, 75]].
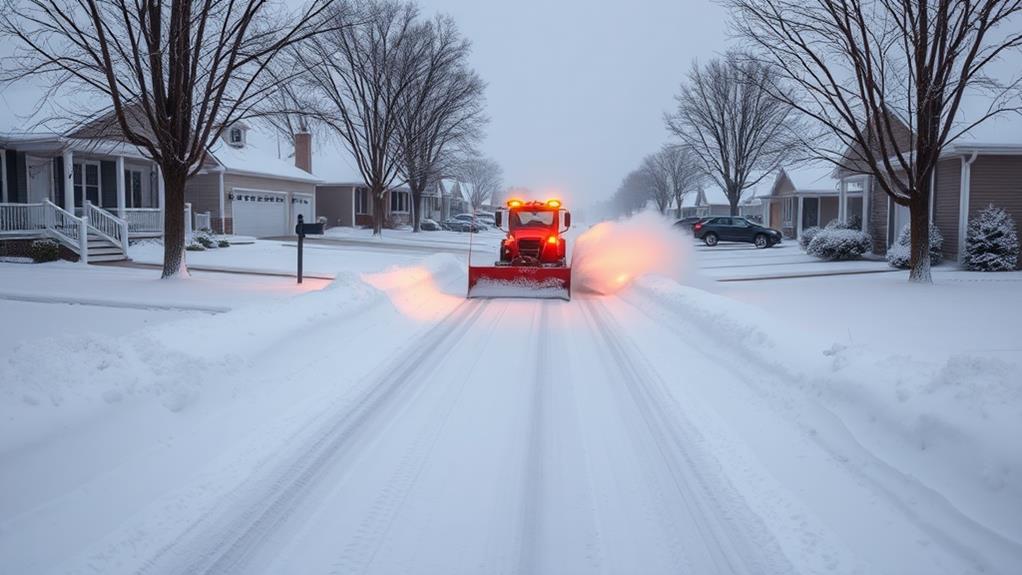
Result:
[[839, 244], [44, 251], [900, 254], [991, 243], [807, 236]]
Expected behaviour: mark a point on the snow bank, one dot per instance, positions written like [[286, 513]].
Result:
[[611, 255], [171, 362], [951, 424]]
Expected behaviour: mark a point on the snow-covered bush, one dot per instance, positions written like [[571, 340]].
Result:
[[222, 243], [195, 247], [839, 244], [807, 236], [44, 251], [900, 254], [836, 224], [205, 239], [854, 222], [991, 242]]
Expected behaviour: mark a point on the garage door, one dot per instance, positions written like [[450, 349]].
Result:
[[259, 214], [302, 204]]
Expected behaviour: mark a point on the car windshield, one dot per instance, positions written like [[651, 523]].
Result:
[[536, 219]]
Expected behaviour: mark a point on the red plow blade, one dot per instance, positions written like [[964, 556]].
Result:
[[519, 281]]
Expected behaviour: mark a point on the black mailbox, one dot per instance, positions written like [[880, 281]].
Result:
[[304, 229]]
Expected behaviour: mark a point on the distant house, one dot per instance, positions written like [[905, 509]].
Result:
[[803, 197], [705, 202]]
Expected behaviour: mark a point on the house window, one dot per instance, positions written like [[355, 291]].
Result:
[[399, 202], [87, 183], [133, 188], [236, 136], [362, 201]]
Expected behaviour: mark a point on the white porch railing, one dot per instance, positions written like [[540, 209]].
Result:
[[108, 226], [203, 221], [68, 229], [144, 220], [20, 218]]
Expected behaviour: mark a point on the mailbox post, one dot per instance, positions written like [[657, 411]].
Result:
[[301, 229]]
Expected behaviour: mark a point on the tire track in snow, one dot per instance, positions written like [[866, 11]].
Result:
[[223, 538], [362, 550], [881, 478], [530, 553], [726, 542]]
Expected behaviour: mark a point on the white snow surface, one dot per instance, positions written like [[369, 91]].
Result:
[[385, 424]]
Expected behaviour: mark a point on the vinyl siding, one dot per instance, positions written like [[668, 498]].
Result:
[[997, 180], [203, 192], [335, 204], [946, 198]]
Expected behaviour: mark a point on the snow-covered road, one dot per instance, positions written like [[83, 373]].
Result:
[[601, 435]]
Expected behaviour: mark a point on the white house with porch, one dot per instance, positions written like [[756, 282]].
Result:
[[91, 196]]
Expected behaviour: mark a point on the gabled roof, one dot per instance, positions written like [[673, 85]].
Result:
[[253, 160], [816, 178]]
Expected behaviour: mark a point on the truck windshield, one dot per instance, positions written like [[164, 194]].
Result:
[[537, 219]]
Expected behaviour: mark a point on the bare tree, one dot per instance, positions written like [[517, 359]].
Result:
[[885, 80], [485, 178], [441, 114], [684, 170], [658, 177], [359, 75], [739, 133], [633, 193], [175, 74]]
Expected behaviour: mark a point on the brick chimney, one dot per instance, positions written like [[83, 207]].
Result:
[[303, 151]]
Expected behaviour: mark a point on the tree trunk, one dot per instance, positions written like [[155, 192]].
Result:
[[174, 222], [379, 201], [416, 209], [919, 215]]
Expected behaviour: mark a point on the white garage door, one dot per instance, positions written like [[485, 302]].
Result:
[[259, 214], [302, 204]]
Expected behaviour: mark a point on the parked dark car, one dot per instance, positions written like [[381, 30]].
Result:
[[735, 229], [687, 223], [461, 226], [428, 225]]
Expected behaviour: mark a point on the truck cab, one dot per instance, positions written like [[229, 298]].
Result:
[[534, 232]]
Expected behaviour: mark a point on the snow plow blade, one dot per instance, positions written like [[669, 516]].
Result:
[[519, 282]]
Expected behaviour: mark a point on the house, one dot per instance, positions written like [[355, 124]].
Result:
[[802, 197], [705, 202], [92, 195], [982, 167], [247, 190]]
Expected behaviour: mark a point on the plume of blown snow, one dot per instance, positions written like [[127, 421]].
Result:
[[611, 255]]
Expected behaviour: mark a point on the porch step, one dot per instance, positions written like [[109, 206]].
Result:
[[102, 251]]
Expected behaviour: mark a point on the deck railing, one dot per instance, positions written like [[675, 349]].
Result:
[[68, 229], [202, 221]]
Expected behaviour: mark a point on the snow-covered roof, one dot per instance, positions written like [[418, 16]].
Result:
[[815, 177], [333, 163], [714, 196], [256, 158]]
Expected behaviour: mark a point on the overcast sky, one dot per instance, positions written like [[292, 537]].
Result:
[[577, 89]]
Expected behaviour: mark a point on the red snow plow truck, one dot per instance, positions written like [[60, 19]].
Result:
[[532, 260]]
